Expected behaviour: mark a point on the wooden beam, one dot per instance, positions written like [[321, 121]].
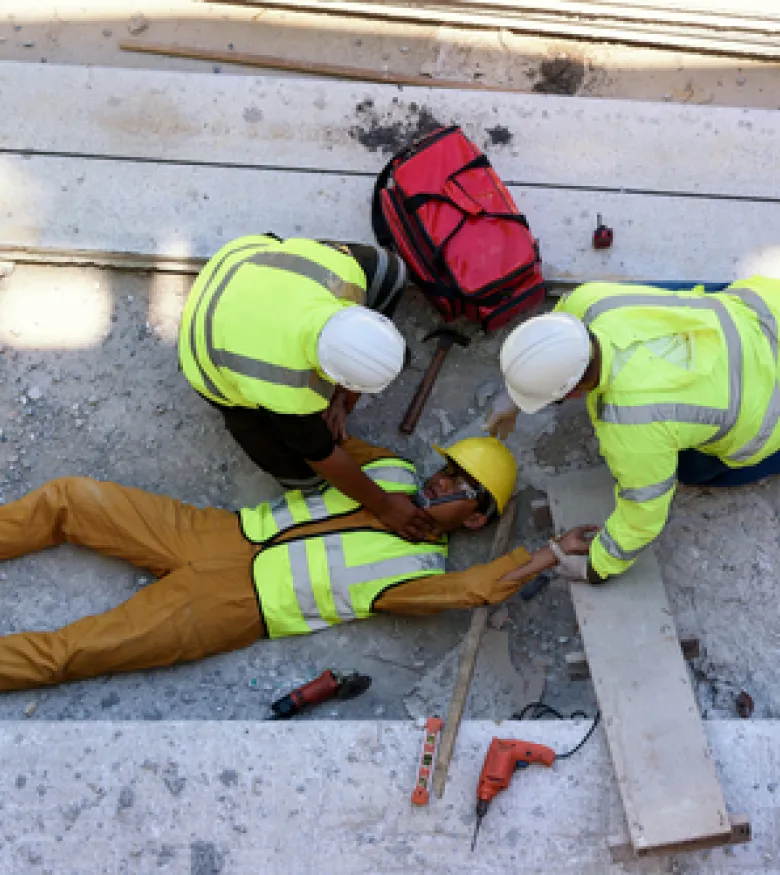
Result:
[[667, 779], [622, 851], [577, 662], [468, 660]]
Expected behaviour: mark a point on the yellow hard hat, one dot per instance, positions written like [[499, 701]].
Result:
[[489, 462]]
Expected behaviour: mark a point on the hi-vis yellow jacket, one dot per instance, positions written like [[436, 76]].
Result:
[[312, 581], [722, 396], [249, 331]]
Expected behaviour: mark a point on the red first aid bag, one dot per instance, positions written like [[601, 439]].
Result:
[[442, 207]]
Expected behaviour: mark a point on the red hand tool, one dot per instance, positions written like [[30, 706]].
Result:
[[503, 758], [326, 686]]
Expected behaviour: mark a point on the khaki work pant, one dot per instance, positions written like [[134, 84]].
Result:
[[203, 602]]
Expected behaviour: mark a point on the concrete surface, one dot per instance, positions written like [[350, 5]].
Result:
[[235, 798]]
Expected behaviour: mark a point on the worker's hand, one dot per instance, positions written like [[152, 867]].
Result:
[[576, 542], [501, 416], [402, 516], [336, 415]]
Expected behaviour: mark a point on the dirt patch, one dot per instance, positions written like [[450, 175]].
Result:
[[392, 130], [560, 76], [499, 135]]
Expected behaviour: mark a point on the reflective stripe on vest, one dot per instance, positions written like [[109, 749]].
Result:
[[293, 508]]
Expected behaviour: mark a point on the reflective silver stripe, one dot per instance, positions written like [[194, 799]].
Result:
[[614, 549], [391, 474], [302, 266], [398, 566], [307, 604], [246, 366], [258, 370], [343, 577], [372, 296], [642, 414], [316, 507], [207, 382], [768, 325], [281, 514], [648, 493]]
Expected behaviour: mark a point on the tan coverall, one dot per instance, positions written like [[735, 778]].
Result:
[[204, 600]]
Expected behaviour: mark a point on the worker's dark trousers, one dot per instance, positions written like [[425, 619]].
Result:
[[699, 469], [254, 430], [203, 603]]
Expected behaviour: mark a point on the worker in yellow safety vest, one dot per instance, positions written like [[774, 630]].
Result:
[[281, 336], [301, 563], [682, 386]]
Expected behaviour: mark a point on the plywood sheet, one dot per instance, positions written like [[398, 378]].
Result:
[[180, 210], [533, 139], [666, 777]]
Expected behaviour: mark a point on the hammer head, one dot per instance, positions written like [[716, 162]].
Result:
[[447, 336]]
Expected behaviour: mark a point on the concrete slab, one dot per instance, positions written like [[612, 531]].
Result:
[[316, 797]]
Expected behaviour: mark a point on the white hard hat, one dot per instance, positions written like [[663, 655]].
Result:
[[361, 350], [543, 359]]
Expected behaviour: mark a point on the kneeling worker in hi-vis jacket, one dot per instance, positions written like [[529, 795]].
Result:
[[301, 563], [680, 385], [281, 336]]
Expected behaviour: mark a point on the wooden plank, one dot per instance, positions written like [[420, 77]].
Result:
[[177, 211], [651, 35], [666, 777], [241, 121], [468, 660]]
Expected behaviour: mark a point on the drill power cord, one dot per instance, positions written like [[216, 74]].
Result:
[[541, 710]]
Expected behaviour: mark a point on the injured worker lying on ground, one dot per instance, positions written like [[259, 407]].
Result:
[[295, 565]]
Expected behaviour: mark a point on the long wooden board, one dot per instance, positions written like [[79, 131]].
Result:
[[180, 210], [532, 139], [666, 777]]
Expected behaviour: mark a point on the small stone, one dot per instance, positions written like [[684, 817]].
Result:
[[379, 710], [107, 32], [563, 640], [404, 50], [30, 45], [499, 617], [34, 394], [138, 24], [30, 708], [741, 80]]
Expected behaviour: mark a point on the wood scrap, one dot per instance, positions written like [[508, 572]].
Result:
[[314, 68], [468, 660]]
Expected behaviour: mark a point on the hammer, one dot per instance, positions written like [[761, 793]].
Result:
[[447, 336]]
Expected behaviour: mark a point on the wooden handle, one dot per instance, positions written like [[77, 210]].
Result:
[[415, 408], [468, 659]]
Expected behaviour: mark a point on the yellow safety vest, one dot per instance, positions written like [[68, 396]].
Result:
[[312, 582], [726, 403], [249, 331]]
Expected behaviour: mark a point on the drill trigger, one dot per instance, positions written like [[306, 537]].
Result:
[[521, 764]]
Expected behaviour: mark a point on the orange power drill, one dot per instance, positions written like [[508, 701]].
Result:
[[504, 757]]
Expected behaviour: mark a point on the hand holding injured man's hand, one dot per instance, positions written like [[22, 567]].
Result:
[[571, 550]]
